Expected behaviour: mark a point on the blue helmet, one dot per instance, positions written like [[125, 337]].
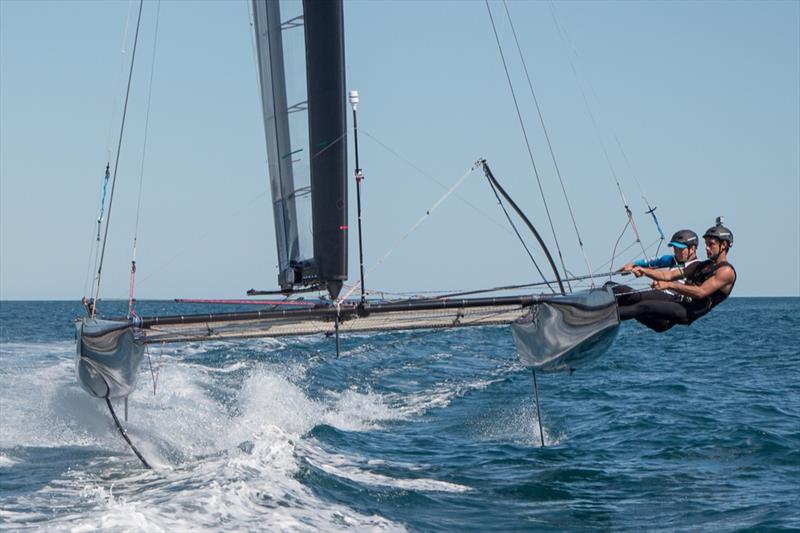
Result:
[[683, 239]]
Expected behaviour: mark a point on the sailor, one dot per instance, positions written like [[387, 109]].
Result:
[[705, 285], [88, 304], [683, 242]]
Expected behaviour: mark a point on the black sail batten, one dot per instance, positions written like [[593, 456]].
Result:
[[327, 123]]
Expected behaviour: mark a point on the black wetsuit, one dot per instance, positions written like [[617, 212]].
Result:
[[659, 310]]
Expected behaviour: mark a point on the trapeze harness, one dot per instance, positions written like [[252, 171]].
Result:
[[660, 310]]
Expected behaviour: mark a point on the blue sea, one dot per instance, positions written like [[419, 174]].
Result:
[[696, 429]]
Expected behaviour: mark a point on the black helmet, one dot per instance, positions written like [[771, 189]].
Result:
[[720, 232], [683, 239]]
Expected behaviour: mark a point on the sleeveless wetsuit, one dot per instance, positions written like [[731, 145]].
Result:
[[697, 274], [659, 310]]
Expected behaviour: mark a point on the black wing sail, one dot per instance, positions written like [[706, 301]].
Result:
[[301, 71], [327, 125]]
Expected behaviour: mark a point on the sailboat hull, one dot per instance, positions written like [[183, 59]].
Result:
[[551, 332], [566, 332], [108, 357]]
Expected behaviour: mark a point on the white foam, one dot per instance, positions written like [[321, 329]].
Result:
[[243, 490], [15, 352], [343, 467], [416, 404], [356, 411], [227, 451], [44, 406]]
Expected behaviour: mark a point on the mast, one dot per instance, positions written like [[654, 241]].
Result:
[[327, 125]]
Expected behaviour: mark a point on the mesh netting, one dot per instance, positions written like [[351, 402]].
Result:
[[387, 321]]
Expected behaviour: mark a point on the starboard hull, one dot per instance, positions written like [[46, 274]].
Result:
[[566, 332]]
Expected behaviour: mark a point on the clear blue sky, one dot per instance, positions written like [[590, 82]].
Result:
[[704, 97]]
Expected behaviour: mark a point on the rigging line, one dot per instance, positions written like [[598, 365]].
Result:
[[236, 213], [525, 135], [630, 167], [547, 137], [116, 162], [614, 253], [144, 155], [514, 227], [615, 177], [146, 124], [89, 268], [120, 74], [95, 246], [601, 269], [411, 230], [250, 16], [444, 294], [440, 296], [405, 160], [650, 209], [192, 244]]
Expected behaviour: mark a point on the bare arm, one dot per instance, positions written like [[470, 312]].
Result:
[[659, 275], [721, 278]]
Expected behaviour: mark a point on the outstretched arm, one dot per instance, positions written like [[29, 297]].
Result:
[[721, 278], [659, 275], [665, 261]]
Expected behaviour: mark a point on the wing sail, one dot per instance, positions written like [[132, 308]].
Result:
[[300, 48]]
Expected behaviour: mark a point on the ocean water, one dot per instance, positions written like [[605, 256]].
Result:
[[697, 429]]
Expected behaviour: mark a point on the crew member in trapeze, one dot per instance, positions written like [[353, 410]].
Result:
[[683, 242], [682, 295]]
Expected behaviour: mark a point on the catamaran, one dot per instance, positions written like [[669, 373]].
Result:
[[306, 137]]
